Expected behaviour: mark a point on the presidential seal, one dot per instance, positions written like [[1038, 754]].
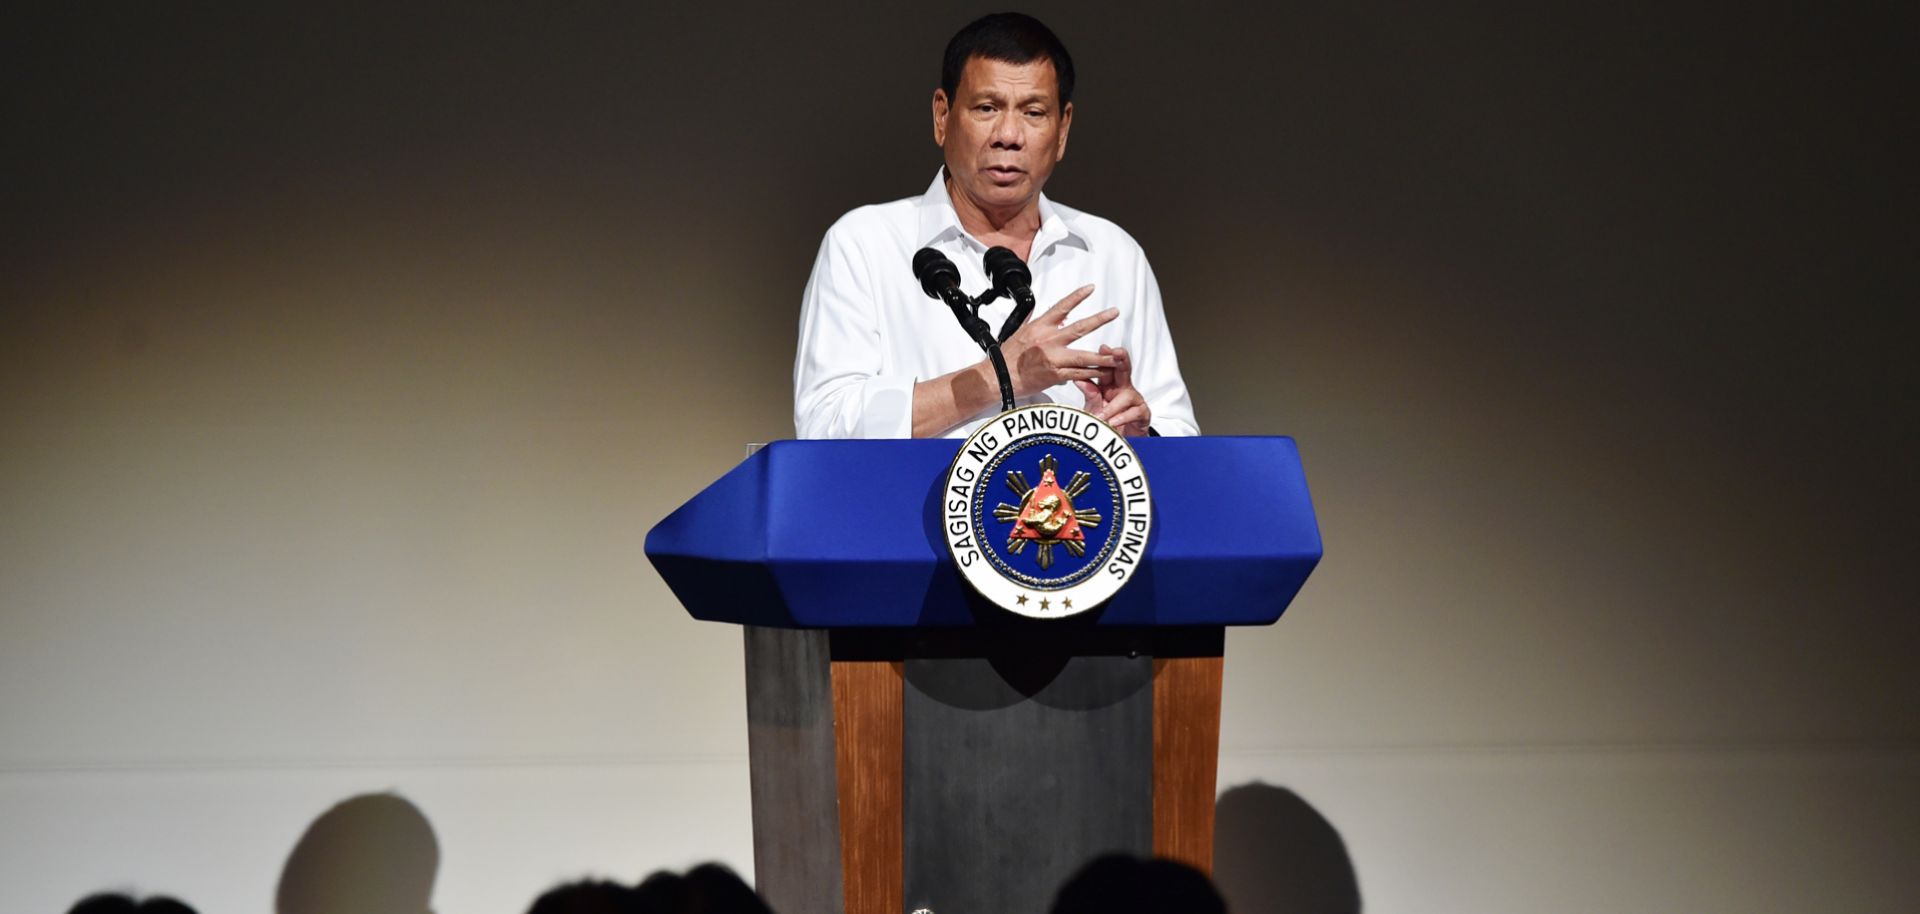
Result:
[[1046, 511]]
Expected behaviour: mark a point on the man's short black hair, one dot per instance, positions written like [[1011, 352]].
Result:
[[1010, 38]]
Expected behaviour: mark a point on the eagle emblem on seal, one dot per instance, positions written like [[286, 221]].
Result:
[[1045, 515]]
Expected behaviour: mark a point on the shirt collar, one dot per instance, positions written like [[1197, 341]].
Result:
[[938, 221]]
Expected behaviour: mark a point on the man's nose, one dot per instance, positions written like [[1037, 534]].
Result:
[[1006, 131]]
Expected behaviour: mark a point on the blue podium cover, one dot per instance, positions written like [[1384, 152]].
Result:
[[846, 534]]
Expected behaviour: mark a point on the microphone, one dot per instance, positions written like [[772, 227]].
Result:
[[940, 279], [1012, 279], [1008, 271], [936, 273]]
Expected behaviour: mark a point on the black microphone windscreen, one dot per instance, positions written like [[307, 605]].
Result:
[[934, 271], [1007, 269]]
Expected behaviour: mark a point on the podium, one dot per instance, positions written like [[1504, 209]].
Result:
[[913, 746]]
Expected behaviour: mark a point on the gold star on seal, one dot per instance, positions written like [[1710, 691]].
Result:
[[1043, 602], [1066, 602], [1021, 599]]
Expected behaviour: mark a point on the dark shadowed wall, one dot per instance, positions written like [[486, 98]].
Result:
[[346, 357]]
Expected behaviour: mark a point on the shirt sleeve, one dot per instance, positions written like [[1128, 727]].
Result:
[[1156, 370], [839, 389]]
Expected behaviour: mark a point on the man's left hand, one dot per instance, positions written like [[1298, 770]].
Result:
[[1113, 398]]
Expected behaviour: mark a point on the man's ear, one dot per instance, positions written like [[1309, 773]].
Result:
[[940, 117], [1066, 124]]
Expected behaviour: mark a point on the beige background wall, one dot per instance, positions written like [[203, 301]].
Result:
[[345, 360]]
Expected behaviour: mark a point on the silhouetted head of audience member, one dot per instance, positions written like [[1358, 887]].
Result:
[[590, 897], [1122, 884], [714, 889], [115, 903], [370, 854], [706, 889], [663, 893]]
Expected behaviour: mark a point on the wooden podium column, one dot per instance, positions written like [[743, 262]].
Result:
[[869, 724], [1186, 752]]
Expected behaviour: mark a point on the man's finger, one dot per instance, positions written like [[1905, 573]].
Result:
[[1096, 401], [1122, 368], [1057, 314], [1133, 415], [1079, 358], [1087, 325], [1119, 400], [1107, 382]]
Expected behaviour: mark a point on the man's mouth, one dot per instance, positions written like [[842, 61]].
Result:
[[1004, 172]]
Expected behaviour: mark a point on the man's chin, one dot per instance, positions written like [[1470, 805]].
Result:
[[1003, 196]]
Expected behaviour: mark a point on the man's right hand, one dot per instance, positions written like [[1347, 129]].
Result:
[[1039, 355]]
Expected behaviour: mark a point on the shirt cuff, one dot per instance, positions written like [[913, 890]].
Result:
[[887, 410]]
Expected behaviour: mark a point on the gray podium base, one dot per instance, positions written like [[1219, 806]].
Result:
[[970, 772]]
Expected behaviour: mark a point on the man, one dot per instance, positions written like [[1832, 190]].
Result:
[[879, 359]]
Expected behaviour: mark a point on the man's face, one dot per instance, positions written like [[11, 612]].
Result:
[[1003, 131]]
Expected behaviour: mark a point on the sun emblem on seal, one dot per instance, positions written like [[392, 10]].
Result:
[[1046, 515]]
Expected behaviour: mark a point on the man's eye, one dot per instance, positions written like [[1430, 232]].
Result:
[[1036, 114], [983, 108]]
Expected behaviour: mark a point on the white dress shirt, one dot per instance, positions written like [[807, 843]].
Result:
[[868, 333]]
